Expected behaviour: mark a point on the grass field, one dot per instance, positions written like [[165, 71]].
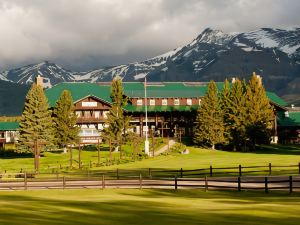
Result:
[[198, 158], [62, 207]]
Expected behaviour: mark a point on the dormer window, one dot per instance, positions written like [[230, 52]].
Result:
[[176, 101], [152, 101], [189, 101], [164, 101], [139, 102]]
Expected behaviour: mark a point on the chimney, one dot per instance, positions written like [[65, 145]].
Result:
[[39, 81]]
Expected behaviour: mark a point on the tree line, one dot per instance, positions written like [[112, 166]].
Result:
[[41, 126], [237, 117]]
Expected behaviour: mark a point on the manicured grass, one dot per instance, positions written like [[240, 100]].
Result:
[[62, 207], [56, 159], [278, 155], [203, 158]]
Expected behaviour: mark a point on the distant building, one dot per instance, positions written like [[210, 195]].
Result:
[[8, 134], [289, 125]]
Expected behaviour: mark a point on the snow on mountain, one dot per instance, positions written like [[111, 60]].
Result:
[[51, 72], [213, 54], [285, 40]]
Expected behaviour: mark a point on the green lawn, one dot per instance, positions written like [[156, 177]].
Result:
[[62, 207], [198, 158]]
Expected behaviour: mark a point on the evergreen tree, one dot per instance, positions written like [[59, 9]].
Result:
[[260, 113], [117, 122], [36, 123], [234, 107], [209, 128], [65, 132], [225, 102]]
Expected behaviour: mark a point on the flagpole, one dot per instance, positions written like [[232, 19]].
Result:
[[146, 115]]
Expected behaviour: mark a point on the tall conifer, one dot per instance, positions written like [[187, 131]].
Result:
[[260, 113], [117, 122], [65, 132], [36, 123], [209, 128]]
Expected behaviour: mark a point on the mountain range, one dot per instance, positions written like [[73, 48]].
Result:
[[213, 55]]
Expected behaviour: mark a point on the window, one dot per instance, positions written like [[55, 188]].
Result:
[[164, 102], [105, 114], [152, 101], [176, 101], [139, 102], [189, 101], [78, 113]]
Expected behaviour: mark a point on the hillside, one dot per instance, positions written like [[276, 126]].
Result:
[[12, 98]]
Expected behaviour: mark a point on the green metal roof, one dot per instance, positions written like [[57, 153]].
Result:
[[9, 126], [78, 91], [292, 121], [276, 99], [136, 90]]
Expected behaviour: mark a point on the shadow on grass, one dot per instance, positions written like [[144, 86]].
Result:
[[12, 154], [278, 149], [147, 207]]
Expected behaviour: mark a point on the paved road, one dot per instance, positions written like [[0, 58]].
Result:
[[247, 183]]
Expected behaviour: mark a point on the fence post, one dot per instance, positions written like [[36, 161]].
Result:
[[64, 182], [239, 183], [175, 183], [210, 171], [270, 168], [117, 174], [240, 170], [25, 180], [90, 163], [299, 167], [150, 175], [181, 172], [103, 181], [291, 183], [56, 175], [266, 185], [140, 181], [206, 184]]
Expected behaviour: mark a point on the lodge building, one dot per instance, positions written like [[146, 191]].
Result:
[[171, 106], [171, 109]]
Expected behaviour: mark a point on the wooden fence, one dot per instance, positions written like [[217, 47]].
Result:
[[25, 181], [210, 171]]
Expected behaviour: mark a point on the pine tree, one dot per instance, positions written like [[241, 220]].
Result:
[[36, 123], [209, 129], [225, 102], [235, 113], [66, 132], [117, 122], [260, 113]]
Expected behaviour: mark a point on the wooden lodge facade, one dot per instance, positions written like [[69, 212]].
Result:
[[171, 106]]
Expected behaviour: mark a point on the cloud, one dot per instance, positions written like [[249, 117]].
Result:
[[92, 33]]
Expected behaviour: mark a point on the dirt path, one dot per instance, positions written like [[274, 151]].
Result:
[[165, 147]]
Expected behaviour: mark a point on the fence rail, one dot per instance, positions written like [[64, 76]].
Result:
[[266, 183], [210, 171]]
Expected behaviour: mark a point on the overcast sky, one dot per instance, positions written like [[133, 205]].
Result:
[[87, 34]]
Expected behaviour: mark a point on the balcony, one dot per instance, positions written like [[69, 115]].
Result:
[[90, 120]]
